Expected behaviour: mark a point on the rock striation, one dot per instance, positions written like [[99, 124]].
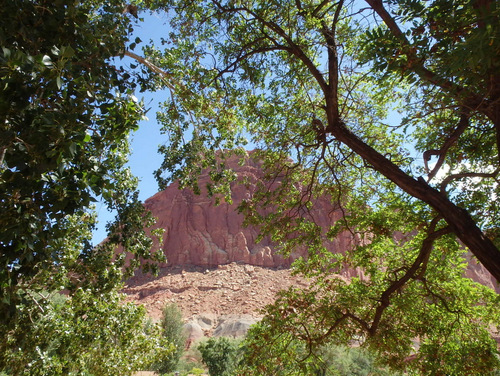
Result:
[[199, 232]]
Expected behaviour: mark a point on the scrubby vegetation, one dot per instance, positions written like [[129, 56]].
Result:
[[314, 84], [172, 330]]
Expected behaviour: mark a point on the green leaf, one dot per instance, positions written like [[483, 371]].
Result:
[[6, 52], [67, 52]]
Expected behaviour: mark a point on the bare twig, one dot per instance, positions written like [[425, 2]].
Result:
[[462, 175], [2, 155], [164, 75], [35, 301]]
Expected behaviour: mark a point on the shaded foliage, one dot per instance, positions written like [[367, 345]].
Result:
[[315, 86], [220, 354], [66, 110]]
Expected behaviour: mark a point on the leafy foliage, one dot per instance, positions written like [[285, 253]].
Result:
[[173, 330], [83, 334], [191, 363], [220, 354], [312, 84], [66, 111], [329, 360], [315, 86]]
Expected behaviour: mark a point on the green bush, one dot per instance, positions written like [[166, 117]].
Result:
[[349, 361], [196, 371], [173, 330], [191, 359], [221, 355]]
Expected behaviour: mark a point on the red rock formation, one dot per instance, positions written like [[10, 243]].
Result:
[[199, 232]]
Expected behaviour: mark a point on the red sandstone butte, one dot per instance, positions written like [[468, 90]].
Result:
[[199, 232]]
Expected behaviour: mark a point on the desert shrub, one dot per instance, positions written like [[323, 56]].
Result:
[[295, 358], [349, 361]]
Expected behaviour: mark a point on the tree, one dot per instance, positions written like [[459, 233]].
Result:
[[329, 360], [173, 330], [66, 110], [220, 355], [315, 85], [85, 334]]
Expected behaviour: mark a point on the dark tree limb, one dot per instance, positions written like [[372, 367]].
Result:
[[331, 94], [458, 219], [411, 273], [441, 153]]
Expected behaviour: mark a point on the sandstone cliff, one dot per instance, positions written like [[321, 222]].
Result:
[[198, 232]]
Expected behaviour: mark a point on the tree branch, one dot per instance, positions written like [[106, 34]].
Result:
[[461, 127], [165, 75], [2, 155], [241, 57], [294, 48], [421, 260], [452, 177], [35, 301], [459, 220], [319, 7], [417, 66], [331, 95], [439, 297]]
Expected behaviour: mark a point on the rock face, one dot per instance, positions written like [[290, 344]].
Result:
[[477, 272], [199, 232], [234, 326], [231, 325]]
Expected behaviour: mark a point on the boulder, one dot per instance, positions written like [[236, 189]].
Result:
[[234, 326], [193, 332]]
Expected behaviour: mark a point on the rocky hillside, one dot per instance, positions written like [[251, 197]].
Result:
[[220, 301], [224, 290]]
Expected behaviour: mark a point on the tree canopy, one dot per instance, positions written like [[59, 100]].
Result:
[[392, 108], [66, 110]]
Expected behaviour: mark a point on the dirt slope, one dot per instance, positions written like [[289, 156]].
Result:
[[227, 289]]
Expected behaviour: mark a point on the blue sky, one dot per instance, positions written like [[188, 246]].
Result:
[[144, 159]]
